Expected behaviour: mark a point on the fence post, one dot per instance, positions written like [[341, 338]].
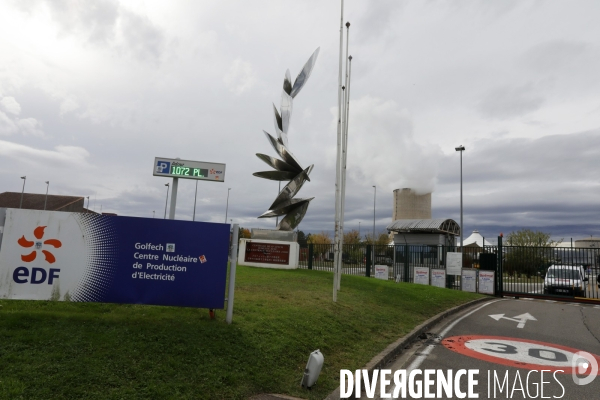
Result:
[[406, 263], [499, 269], [368, 262], [311, 253]]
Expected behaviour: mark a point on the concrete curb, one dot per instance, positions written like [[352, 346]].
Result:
[[396, 348]]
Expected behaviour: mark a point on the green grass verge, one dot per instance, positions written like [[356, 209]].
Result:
[[60, 350]]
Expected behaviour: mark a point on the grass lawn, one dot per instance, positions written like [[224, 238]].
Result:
[[62, 350]]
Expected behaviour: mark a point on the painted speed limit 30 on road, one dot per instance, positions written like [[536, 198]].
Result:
[[524, 353], [508, 349]]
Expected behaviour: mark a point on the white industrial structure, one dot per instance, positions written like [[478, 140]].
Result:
[[412, 223], [410, 205]]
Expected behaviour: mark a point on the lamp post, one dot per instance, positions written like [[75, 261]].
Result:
[[374, 197], [359, 230], [166, 201], [88, 206], [227, 206], [46, 199], [461, 148], [22, 191]]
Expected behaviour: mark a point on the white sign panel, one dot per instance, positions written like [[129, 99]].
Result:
[[421, 275], [453, 263], [174, 168], [469, 280], [486, 282], [438, 278], [381, 272]]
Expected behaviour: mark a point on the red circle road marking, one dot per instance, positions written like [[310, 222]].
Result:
[[460, 344]]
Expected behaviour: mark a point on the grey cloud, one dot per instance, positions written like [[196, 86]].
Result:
[[378, 16], [555, 55], [106, 23], [546, 184], [142, 38], [509, 102], [96, 19], [555, 157]]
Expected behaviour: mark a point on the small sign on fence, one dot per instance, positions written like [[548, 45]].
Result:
[[486, 282], [421, 275], [381, 272], [469, 280], [453, 263], [438, 278]]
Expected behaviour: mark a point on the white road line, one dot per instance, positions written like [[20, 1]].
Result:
[[423, 354]]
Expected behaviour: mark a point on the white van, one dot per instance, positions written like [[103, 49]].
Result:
[[566, 280]]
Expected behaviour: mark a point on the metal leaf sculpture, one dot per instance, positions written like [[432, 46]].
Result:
[[288, 168]]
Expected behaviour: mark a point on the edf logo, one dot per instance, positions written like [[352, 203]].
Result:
[[163, 167]]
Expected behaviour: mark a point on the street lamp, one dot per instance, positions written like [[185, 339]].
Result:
[[227, 206], [46, 199], [359, 230], [88, 206], [167, 200], [461, 148], [22, 191]]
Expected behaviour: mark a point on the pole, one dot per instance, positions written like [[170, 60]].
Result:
[[337, 249], [88, 206], [461, 148], [344, 153], [227, 206], [22, 191], [359, 230], [167, 200], [276, 218], [195, 196], [461, 206], [232, 267], [46, 199], [173, 198], [374, 199]]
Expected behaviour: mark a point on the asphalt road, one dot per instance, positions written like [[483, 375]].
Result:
[[513, 340]]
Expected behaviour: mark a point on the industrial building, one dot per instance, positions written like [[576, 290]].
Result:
[[35, 201], [412, 223]]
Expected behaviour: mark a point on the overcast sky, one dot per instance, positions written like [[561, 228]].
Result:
[[91, 92]]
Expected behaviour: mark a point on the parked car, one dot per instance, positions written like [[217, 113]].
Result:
[[565, 279], [382, 260]]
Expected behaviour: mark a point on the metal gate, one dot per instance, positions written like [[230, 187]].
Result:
[[548, 272]]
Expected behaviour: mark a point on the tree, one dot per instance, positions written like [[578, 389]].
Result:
[[383, 239], [302, 238], [529, 253], [244, 233], [530, 238], [352, 237], [320, 238]]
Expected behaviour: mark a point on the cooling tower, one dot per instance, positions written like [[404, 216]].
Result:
[[409, 205]]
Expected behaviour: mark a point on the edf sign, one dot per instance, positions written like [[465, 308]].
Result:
[[48, 255]]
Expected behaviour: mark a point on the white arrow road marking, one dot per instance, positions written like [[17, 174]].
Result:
[[521, 319]]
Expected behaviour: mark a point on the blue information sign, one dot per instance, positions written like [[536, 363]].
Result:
[[99, 258]]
